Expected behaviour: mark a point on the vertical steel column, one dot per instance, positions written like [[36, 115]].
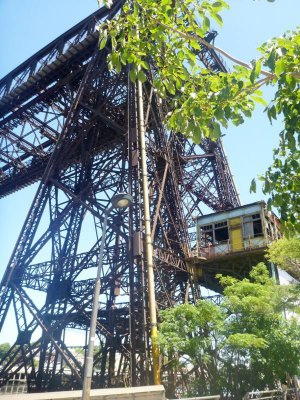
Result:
[[148, 239]]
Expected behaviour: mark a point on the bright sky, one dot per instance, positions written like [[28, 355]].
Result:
[[27, 26]]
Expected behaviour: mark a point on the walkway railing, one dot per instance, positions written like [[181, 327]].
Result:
[[217, 397], [289, 394]]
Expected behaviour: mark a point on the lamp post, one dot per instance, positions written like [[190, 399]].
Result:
[[121, 200]]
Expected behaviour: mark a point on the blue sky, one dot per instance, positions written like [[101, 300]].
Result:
[[26, 26]]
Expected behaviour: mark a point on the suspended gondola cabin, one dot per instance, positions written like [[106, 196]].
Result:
[[244, 229], [231, 242]]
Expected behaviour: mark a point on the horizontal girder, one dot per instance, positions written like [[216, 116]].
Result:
[[52, 62]]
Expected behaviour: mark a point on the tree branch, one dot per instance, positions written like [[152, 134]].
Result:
[[213, 47]]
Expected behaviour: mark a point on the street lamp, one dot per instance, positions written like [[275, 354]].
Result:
[[120, 200]]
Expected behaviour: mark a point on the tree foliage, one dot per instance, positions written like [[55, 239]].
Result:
[[243, 344], [190, 336], [161, 40], [4, 347], [285, 253]]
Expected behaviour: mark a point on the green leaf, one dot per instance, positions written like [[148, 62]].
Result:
[[206, 23], [279, 67], [118, 67], [133, 74], [170, 87], [216, 131], [259, 100], [197, 135], [228, 112], [267, 186], [219, 112], [270, 62], [110, 66], [255, 71], [217, 18], [144, 64], [142, 76], [217, 4], [253, 186], [271, 111], [103, 39], [190, 55], [291, 81]]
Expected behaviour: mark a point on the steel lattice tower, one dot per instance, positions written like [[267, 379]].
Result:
[[70, 124]]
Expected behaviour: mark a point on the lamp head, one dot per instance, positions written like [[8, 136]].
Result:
[[121, 200]]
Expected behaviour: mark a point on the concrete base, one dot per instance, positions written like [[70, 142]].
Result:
[[156, 392]]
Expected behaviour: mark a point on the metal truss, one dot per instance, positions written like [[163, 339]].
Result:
[[70, 123]]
